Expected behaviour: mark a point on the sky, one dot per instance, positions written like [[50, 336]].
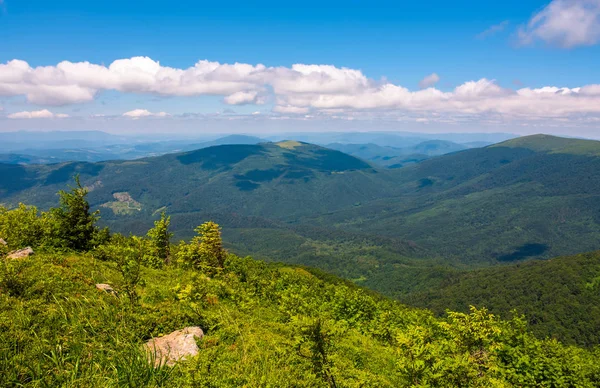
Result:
[[185, 66]]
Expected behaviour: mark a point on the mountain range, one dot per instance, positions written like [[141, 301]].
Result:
[[93, 146]]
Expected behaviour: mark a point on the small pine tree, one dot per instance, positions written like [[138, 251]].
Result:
[[75, 224], [206, 250], [211, 244], [160, 246]]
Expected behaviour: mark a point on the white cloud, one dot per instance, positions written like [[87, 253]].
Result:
[[300, 89], [68, 82], [564, 23], [139, 113], [241, 98], [429, 81], [301, 78], [493, 30], [38, 114]]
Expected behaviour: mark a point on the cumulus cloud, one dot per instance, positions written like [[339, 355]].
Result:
[[429, 81], [242, 98], [493, 30], [139, 113], [564, 23], [69, 82], [300, 89], [38, 114]]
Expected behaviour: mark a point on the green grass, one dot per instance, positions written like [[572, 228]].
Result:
[[56, 329]]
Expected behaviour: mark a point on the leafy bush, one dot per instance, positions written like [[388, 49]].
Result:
[[24, 226]]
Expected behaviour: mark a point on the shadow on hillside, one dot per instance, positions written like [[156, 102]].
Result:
[[524, 251]]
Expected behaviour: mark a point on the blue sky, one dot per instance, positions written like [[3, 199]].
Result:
[[389, 43]]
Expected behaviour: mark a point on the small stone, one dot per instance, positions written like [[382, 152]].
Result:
[[20, 254], [2, 242], [179, 345], [106, 288]]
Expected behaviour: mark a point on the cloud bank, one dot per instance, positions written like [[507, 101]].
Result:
[[38, 114], [302, 89]]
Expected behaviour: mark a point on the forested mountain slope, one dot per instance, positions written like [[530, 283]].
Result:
[[560, 297], [536, 196], [281, 181]]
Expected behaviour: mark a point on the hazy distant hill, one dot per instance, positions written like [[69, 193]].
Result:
[[395, 157], [117, 151], [391, 139], [15, 141]]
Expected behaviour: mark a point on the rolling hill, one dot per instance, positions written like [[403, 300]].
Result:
[[280, 181], [532, 197]]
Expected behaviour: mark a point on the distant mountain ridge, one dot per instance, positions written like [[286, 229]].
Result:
[[396, 157], [83, 151]]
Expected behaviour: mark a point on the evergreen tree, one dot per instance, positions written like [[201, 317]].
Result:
[[206, 250], [75, 223], [160, 236], [210, 244]]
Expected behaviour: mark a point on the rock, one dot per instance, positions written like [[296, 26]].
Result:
[[106, 288], [2, 242], [21, 253], [179, 345]]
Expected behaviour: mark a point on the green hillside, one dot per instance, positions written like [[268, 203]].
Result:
[[496, 204], [553, 144], [280, 180], [80, 310], [560, 297]]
